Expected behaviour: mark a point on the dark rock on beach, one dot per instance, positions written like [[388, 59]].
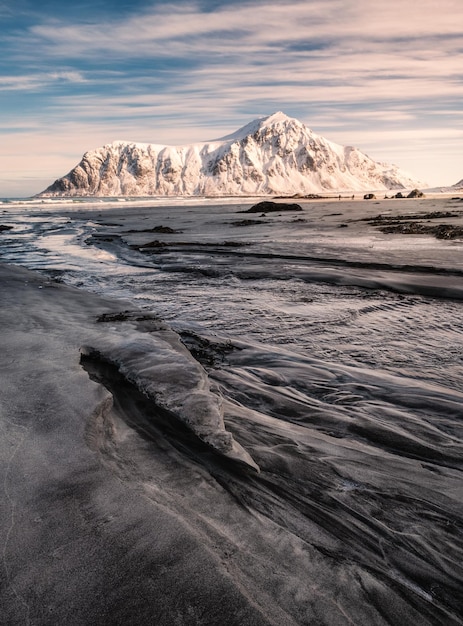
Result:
[[165, 230], [267, 206], [415, 193], [419, 224], [440, 231]]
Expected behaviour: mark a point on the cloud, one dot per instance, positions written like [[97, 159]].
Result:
[[68, 76], [180, 28], [184, 28], [330, 45], [40, 80], [318, 52]]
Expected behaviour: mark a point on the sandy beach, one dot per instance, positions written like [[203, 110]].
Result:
[[286, 449]]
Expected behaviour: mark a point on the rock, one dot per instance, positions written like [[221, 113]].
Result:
[[415, 193], [267, 206], [166, 230], [369, 196]]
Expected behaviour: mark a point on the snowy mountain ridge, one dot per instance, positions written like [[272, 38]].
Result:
[[274, 155]]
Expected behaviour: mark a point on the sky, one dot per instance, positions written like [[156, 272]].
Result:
[[385, 76]]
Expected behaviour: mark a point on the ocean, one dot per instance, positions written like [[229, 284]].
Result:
[[337, 347]]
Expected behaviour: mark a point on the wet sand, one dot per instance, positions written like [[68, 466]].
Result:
[[113, 512], [81, 543]]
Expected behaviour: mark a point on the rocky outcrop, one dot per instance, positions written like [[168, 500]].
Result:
[[276, 155], [415, 193], [270, 207]]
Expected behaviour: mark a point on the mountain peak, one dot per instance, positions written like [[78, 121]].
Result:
[[275, 119]]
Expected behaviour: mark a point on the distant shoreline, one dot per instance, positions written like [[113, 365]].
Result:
[[434, 192]]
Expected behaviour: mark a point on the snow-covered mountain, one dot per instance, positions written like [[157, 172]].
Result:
[[275, 155]]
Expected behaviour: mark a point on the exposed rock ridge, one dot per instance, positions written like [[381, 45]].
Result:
[[272, 155]]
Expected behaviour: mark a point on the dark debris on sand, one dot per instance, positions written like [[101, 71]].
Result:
[[418, 224]]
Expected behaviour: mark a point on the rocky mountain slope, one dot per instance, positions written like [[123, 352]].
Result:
[[272, 155]]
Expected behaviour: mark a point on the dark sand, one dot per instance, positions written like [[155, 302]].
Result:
[[81, 543]]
